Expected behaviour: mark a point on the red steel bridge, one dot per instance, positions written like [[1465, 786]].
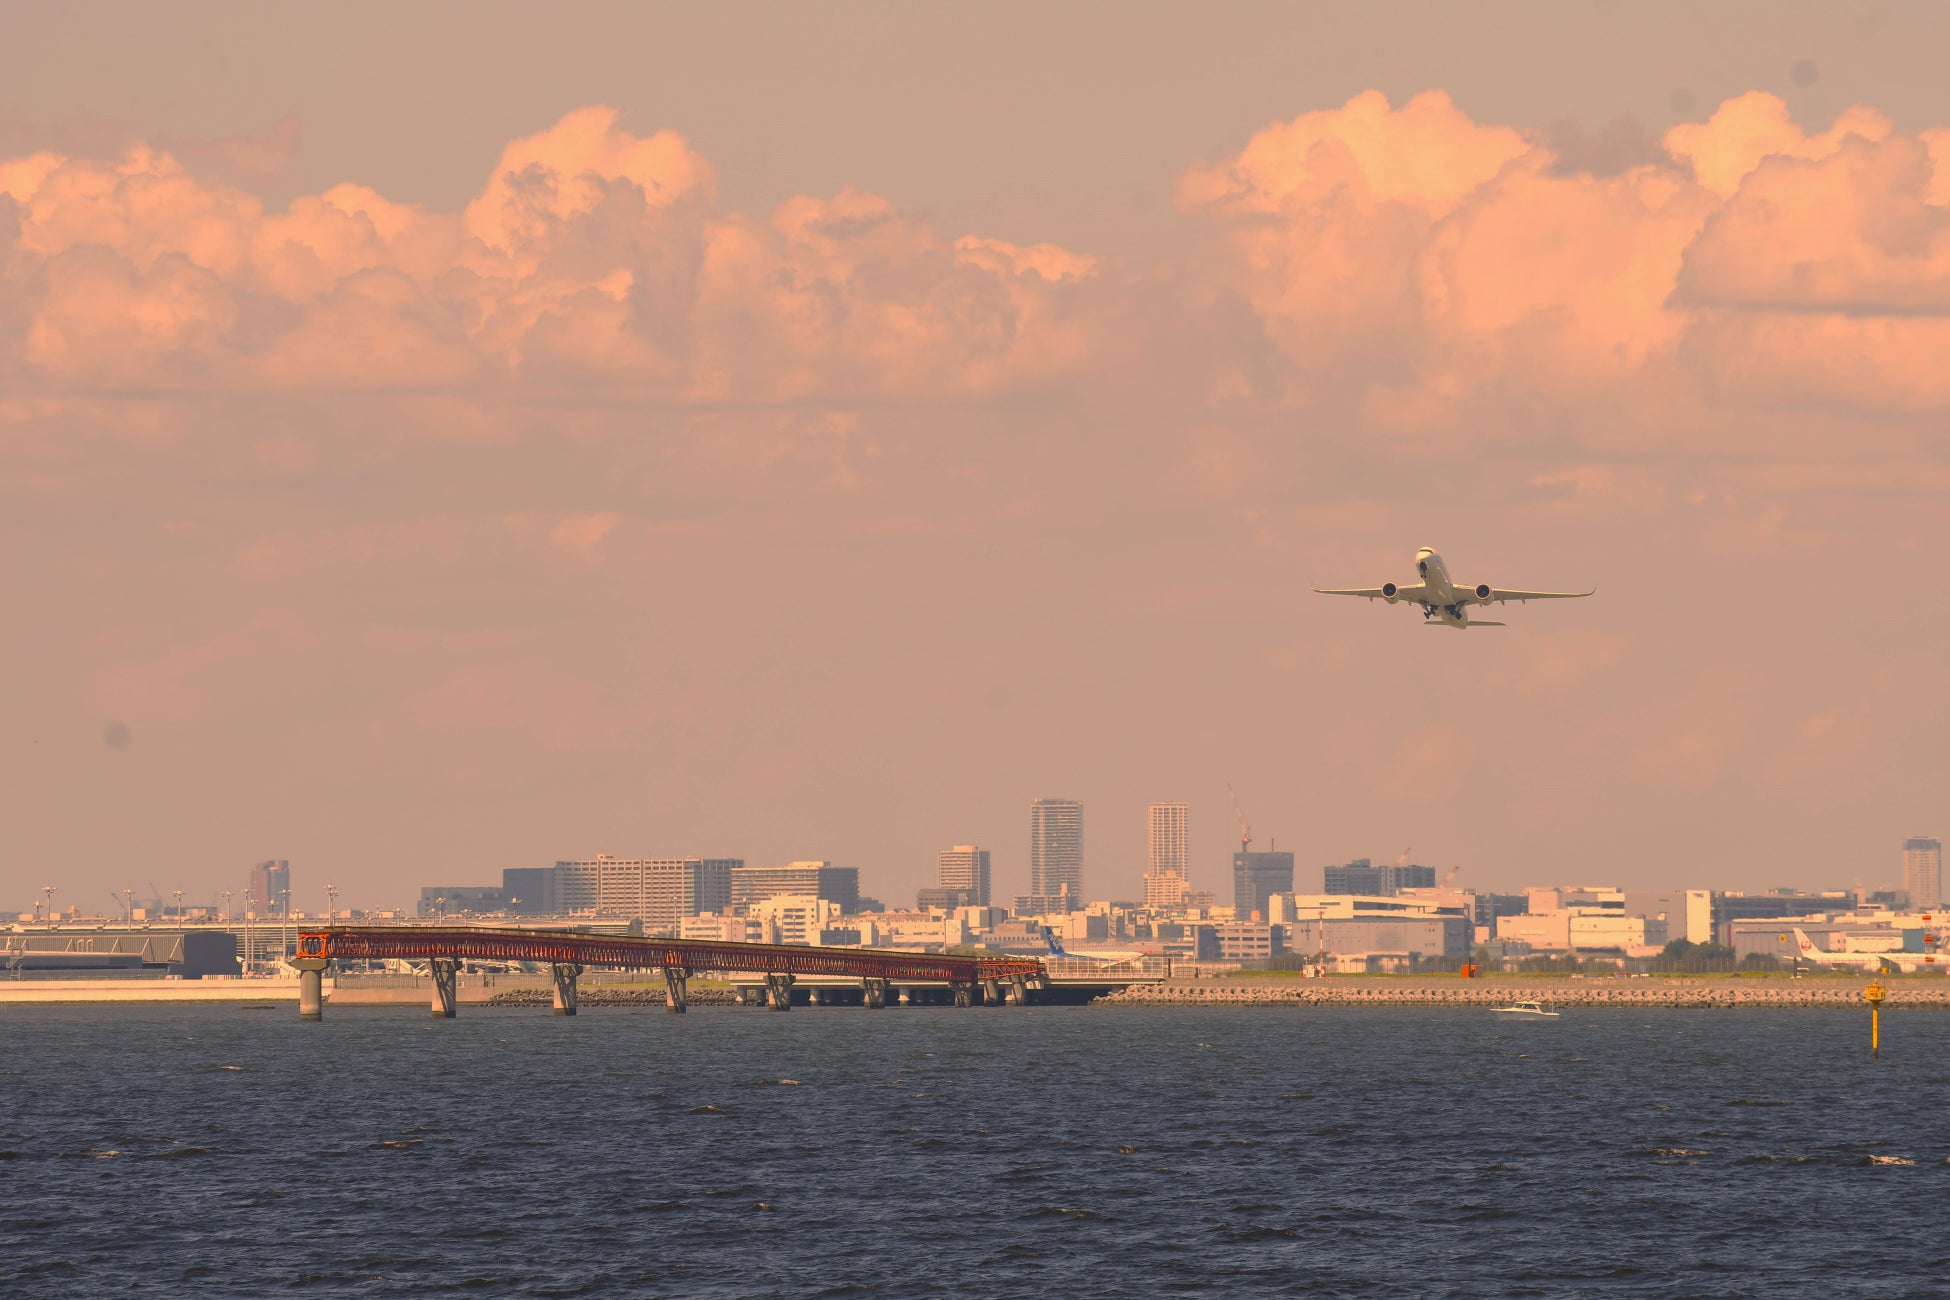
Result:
[[568, 953]]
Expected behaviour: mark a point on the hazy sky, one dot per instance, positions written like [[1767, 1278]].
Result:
[[441, 442]]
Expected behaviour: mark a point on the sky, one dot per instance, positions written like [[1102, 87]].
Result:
[[450, 440]]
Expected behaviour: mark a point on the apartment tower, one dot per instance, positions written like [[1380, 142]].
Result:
[[1168, 880], [1056, 852]]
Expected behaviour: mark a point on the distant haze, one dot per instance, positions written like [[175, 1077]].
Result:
[[441, 442]]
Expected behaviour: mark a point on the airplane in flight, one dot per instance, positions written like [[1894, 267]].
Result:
[[1873, 962], [1443, 603]]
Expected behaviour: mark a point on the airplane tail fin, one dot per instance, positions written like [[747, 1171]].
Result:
[[1806, 946], [1055, 945]]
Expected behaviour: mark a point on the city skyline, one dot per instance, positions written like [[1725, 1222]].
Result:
[[536, 452]]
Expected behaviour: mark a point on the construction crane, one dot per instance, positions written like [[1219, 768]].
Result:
[[1403, 858], [1451, 877], [1245, 831]]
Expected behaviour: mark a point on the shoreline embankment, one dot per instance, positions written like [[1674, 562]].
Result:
[[1670, 993]]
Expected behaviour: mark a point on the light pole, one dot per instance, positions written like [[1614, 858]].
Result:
[[47, 891], [128, 907], [250, 922], [331, 903], [284, 919], [179, 905], [226, 905]]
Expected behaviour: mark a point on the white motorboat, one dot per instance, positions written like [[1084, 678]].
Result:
[[1526, 1009]]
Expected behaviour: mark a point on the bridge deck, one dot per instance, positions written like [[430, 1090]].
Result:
[[568, 947]]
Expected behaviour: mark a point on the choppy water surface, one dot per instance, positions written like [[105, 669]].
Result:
[[989, 1151]]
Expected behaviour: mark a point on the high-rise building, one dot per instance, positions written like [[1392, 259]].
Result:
[[964, 868], [660, 892], [1168, 880], [753, 885], [1923, 871], [1170, 844], [1056, 851], [271, 885], [1256, 877]]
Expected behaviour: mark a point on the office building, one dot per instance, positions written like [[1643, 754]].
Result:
[[461, 900], [753, 885], [965, 870], [1724, 909], [1256, 877], [271, 886], [933, 898], [530, 891], [1923, 872], [1380, 926], [1238, 941], [1362, 877], [660, 892], [1056, 852]]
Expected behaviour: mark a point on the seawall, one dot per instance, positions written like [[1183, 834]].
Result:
[[1728, 993]]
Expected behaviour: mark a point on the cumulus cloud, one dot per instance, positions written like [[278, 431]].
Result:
[[593, 259], [1414, 260]]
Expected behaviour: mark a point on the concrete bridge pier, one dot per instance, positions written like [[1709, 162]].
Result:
[[873, 993], [1019, 990], [778, 992], [677, 989], [907, 996], [816, 997], [445, 977], [565, 987], [311, 987], [964, 992], [991, 993]]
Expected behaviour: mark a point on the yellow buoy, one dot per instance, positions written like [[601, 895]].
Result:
[[1875, 993]]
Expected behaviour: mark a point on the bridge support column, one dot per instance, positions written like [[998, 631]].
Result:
[[677, 989], [991, 993], [311, 987], [1019, 990], [906, 996], [873, 993], [816, 997], [445, 977], [964, 991], [565, 988], [778, 991]]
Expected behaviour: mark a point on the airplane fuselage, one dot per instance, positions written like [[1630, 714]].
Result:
[[1439, 598]]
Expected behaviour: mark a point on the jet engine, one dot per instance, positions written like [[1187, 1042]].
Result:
[[1390, 592], [1483, 591]]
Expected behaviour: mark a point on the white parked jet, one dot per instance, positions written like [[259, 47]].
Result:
[[1443, 603], [1872, 962]]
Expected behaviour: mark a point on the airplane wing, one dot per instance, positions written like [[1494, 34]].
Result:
[[1505, 593], [1375, 593]]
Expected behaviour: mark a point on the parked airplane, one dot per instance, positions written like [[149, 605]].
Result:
[[1443, 603], [1056, 949], [1872, 962]]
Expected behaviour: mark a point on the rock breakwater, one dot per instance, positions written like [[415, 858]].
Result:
[[1498, 993]]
